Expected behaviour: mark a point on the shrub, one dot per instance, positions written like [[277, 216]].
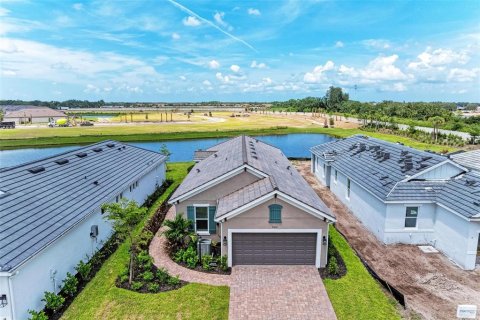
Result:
[[37, 315], [153, 287], [331, 121], [136, 285], [84, 270], [53, 301], [174, 281], [143, 239], [206, 261], [124, 278], [178, 257], [162, 275], [223, 263], [333, 266], [177, 232], [147, 276], [145, 260], [190, 257], [70, 284]]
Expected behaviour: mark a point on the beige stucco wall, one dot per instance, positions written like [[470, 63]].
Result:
[[292, 218], [211, 195]]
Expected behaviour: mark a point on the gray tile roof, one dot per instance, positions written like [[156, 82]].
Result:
[[235, 153], [37, 208], [201, 154], [375, 164], [469, 159], [384, 178]]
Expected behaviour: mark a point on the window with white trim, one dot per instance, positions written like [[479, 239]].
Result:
[[324, 169], [201, 219], [411, 217], [336, 176]]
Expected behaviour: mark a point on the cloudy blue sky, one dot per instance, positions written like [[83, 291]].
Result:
[[197, 50]]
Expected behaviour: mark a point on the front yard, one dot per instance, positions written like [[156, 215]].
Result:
[[101, 299], [357, 295]]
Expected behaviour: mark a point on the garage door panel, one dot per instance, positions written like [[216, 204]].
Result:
[[274, 248]]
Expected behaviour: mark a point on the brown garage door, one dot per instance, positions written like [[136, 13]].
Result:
[[274, 248]]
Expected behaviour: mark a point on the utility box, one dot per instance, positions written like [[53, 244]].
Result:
[[94, 231], [204, 247]]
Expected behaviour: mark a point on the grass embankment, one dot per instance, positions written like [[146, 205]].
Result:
[[101, 299], [213, 132], [357, 295]]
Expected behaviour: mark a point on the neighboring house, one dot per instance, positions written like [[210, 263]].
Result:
[[469, 159], [247, 195], [51, 215], [33, 114], [404, 195]]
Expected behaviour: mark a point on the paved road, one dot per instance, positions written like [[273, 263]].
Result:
[[278, 292]]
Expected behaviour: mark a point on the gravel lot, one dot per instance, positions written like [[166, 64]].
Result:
[[433, 286]]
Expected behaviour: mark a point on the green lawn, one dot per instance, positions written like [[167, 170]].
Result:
[[357, 295], [101, 299]]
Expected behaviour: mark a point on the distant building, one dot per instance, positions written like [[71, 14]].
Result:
[[404, 195], [33, 114], [51, 215]]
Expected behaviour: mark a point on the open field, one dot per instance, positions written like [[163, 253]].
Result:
[[101, 299], [220, 125]]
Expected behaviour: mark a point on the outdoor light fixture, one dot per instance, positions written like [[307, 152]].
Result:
[[3, 300], [224, 240], [324, 240]]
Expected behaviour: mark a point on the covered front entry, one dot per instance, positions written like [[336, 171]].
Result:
[[275, 248]]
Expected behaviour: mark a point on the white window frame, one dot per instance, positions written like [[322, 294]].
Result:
[[416, 218], [324, 170], [195, 206]]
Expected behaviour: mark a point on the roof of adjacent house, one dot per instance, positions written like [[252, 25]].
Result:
[[375, 164], [42, 200], [385, 176], [278, 174], [34, 112], [469, 159]]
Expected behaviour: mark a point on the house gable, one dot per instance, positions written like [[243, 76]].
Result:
[[443, 171]]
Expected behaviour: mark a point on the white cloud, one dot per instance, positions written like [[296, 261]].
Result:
[[253, 12], [213, 64], [318, 73], [234, 68], [463, 75], [438, 57], [220, 77], [183, 78], [383, 68], [191, 21], [77, 6], [175, 36], [4, 12], [206, 83], [90, 88], [378, 44], [339, 44], [261, 65]]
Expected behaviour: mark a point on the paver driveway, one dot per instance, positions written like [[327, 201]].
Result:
[[278, 292]]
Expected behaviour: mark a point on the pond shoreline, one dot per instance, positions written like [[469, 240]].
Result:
[[56, 141]]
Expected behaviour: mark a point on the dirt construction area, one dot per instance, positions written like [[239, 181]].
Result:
[[433, 286]]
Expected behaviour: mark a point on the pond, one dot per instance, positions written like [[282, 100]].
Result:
[[293, 145]]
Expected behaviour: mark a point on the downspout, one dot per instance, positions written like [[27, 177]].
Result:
[[221, 238], [10, 292]]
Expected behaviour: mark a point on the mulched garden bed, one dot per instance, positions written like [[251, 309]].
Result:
[[342, 268], [199, 268]]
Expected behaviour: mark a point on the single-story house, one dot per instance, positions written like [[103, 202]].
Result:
[[404, 195], [33, 114], [246, 195], [51, 215]]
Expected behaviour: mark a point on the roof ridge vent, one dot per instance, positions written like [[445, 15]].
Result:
[[36, 169], [81, 154], [110, 145], [97, 149]]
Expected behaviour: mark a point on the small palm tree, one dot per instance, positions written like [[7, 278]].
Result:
[[178, 231], [436, 123]]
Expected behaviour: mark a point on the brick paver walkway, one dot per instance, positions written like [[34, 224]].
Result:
[[161, 259], [278, 292]]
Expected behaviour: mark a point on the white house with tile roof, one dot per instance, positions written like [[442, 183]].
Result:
[[404, 195], [51, 215], [245, 194]]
